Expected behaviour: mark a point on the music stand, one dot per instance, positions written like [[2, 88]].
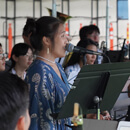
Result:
[[86, 88], [114, 56]]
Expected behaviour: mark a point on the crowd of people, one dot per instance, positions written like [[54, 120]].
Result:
[[39, 82]]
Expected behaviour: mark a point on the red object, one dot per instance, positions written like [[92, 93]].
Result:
[[127, 33], [67, 29], [111, 36], [9, 40], [80, 25]]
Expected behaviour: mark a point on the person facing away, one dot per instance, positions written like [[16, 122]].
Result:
[[3, 56], [27, 30], [92, 32], [14, 102], [46, 78], [21, 58], [77, 60]]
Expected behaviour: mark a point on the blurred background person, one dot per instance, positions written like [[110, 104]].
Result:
[[46, 78], [3, 56], [21, 58], [14, 102], [27, 30], [77, 60], [92, 32]]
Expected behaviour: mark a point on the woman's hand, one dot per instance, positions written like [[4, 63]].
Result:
[[106, 115]]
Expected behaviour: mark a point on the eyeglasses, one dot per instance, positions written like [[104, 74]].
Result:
[[30, 57], [3, 56]]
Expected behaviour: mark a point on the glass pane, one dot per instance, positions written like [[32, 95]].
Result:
[[122, 7]]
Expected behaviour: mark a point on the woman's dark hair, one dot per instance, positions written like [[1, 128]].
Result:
[[19, 49], [44, 26], [87, 30], [29, 26], [76, 57]]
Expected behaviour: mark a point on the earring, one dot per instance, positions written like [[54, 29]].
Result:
[[47, 50]]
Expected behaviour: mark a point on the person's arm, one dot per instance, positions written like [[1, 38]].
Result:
[[103, 116], [94, 116]]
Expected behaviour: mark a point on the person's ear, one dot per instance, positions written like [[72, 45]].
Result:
[[21, 123], [15, 58], [46, 40]]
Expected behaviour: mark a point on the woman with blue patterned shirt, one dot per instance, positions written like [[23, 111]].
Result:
[[46, 78]]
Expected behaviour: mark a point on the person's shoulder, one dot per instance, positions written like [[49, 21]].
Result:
[[58, 64], [73, 67], [8, 64], [39, 66], [69, 69], [35, 70], [35, 66]]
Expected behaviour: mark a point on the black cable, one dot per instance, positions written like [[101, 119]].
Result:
[[108, 59]]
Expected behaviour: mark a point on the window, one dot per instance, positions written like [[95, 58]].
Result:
[[122, 9]]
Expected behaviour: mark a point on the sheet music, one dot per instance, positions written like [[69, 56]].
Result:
[[123, 125]]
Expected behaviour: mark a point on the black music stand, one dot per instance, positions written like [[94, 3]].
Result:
[[90, 83], [114, 56], [86, 87]]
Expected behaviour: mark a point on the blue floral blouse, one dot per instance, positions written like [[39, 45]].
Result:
[[47, 95]]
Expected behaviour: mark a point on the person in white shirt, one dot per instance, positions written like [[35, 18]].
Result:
[[77, 60], [21, 58]]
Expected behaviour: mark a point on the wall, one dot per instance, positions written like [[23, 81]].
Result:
[[81, 8]]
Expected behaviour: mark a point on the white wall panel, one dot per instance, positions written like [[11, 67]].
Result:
[[77, 8]]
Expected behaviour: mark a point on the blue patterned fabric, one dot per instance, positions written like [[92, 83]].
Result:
[[47, 95]]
